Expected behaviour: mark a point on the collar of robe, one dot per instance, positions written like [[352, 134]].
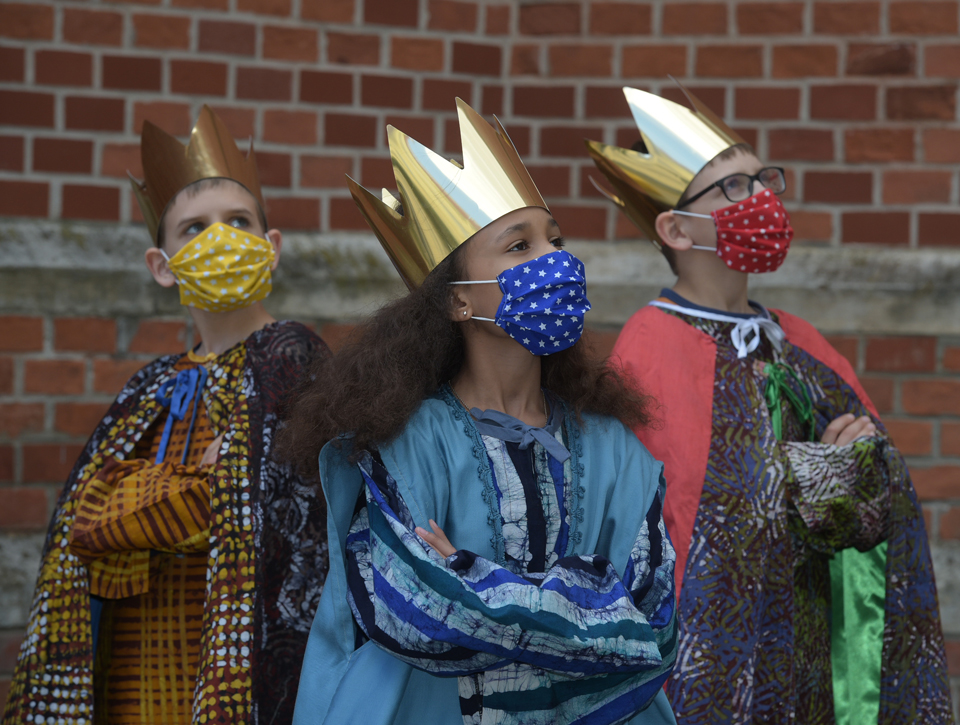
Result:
[[507, 428]]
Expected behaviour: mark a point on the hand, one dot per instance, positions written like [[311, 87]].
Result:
[[212, 453], [848, 428], [438, 540]]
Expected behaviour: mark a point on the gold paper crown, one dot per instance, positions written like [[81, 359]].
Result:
[[679, 143], [169, 166], [442, 204]]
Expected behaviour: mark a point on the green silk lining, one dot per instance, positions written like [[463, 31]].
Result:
[[858, 587], [858, 595]]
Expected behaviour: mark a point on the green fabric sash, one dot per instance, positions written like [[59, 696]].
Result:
[[857, 586]]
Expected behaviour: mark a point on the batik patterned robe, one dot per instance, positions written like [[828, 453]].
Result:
[[267, 561], [758, 523]]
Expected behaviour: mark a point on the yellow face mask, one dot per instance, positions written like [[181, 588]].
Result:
[[223, 268]]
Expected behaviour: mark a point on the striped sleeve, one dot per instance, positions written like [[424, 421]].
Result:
[[465, 614]]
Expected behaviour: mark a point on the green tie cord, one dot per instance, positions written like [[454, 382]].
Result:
[[777, 389]]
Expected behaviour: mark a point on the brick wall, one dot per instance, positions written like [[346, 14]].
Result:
[[856, 99]]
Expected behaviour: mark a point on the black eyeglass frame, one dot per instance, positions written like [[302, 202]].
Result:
[[752, 178]]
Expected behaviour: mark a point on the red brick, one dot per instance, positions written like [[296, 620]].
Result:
[[769, 18], [420, 128], [325, 172], [951, 359], [22, 108], [280, 8], [62, 68], [543, 101], [653, 61], [936, 482], [801, 144], [916, 187], [9, 649], [922, 103], [729, 61], [917, 17], [551, 180], [23, 508], [20, 333], [566, 141], [498, 19], [92, 27], [11, 153], [950, 529], [838, 187], [344, 216], [386, 91], [327, 11], [264, 84], [694, 18], [54, 377], [911, 437], [94, 114], [930, 397], [204, 4], [321, 87], [217, 36], [438, 95], [391, 12], [67, 156], [812, 226], [174, 118], [353, 49], [17, 418], [765, 102], [938, 229], [275, 169], [377, 173], [78, 419], [846, 345], [6, 375], [453, 15], [880, 391], [878, 144], [949, 439], [198, 77], [477, 59], [941, 145], [290, 127], [715, 98], [12, 64], [832, 17], [602, 102], [881, 59], [416, 53], [560, 18], [581, 60], [49, 462], [492, 101], [619, 18], [85, 334], [804, 61], [24, 198], [942, 60], [876, 227], [159, 337], [6, 474], [298, 44], [239, 121], [525, 60], [294, 213], [161, 31], [109, 375], [901, 354], [26, 21], [843, 102], [581, 222]]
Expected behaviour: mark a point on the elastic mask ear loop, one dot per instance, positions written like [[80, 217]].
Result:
[[479, 281], [702, 216], [175, 280]]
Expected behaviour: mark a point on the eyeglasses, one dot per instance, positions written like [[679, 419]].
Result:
[[738, 187]]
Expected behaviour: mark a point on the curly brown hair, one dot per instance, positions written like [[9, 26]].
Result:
[[404, 353]]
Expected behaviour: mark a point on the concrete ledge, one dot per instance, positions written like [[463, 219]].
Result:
[[83, 269]]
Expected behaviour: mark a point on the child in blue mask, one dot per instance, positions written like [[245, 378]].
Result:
[[183, 565], [496, 541]]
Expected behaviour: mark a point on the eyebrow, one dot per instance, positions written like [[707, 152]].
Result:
[[522, 226]]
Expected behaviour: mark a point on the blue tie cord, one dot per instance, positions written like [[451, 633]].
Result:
[[187, 387], [509, 429]]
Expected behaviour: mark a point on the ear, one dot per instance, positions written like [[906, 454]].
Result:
[[460, 308], [158, 267], [671, 231], [276, 239]]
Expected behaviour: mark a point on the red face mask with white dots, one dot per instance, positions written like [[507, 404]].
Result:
[[753, 235]]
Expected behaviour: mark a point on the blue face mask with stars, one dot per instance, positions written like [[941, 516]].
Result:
[[544, 301]]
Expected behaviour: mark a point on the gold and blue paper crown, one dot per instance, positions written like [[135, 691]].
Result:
[[441, 204], [679, 143]]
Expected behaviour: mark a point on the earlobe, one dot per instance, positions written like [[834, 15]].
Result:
[[671, 233], [460, 310], [158, 268], [276, 239]]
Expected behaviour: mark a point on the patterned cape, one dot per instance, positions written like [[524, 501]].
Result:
[[756, 574], [267, 562]]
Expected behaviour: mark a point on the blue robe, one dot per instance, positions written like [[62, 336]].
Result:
[[580, 642]]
